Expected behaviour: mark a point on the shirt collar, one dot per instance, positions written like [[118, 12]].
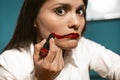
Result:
[[72, 57]]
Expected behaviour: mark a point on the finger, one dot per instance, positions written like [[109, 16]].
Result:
[[61, 62], [37, 48], [52, 51], [55, 64], [57, 57]]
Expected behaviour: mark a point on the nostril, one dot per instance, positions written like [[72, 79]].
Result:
[[75, 27]]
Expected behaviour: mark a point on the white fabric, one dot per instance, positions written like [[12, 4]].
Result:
[[88, 55]]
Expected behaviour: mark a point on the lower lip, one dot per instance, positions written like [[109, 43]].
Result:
[[71, 35]]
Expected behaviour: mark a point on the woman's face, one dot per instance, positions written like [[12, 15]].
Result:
[[61, 17]]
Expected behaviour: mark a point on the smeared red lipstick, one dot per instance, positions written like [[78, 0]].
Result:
[[71, 35], [44, 50]]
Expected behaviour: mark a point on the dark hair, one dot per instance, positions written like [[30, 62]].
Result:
[[25, 32]]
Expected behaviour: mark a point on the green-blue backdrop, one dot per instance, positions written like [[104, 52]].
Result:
[[105, 32]]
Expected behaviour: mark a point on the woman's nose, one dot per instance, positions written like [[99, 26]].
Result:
[[74, 22]]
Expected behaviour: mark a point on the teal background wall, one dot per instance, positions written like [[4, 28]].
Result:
[[9, 10], [105, 32]]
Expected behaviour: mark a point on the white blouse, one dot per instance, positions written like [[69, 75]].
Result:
[[88, 55]]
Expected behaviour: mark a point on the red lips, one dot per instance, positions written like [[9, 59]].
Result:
[[71, 35]]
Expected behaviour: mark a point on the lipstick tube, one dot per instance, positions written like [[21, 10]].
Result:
[[44, 50]]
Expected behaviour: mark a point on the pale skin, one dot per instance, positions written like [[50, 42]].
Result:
[[62, 17]]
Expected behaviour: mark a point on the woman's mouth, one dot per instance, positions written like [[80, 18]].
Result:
[[70, 35]]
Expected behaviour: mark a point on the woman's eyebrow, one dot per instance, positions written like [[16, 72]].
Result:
[[82, 6], [62, 4], [67, 5]]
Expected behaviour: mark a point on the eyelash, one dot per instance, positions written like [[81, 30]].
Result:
[[59, 11], [81, 13]]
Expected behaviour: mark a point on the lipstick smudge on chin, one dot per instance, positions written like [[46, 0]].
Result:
[[71, 35]]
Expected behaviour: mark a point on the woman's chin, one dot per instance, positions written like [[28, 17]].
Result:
[[68, 44], [68, 47]]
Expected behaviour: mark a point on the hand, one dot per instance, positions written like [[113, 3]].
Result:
[[49, 67]]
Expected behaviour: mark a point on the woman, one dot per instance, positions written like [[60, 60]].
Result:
[[69, 58]]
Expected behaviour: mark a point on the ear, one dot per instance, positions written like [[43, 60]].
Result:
[[35, 24]]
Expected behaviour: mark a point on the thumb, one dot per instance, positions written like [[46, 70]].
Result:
[[37, 48]]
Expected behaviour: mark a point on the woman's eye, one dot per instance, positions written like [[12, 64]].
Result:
[[80, 12], [60, 11]]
